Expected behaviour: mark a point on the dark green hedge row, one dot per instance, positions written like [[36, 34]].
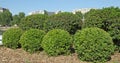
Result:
[[33, 21], [66, 21]]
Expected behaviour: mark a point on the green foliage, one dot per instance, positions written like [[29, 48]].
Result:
[[35, 21], [11, 38], [79, 14], [66, 21], [31, 40], [93, 44], [92, 19], [114, 31], [5, 18], [107, 19], [56, 42], [21, 14], [17, 18], [46, 12]]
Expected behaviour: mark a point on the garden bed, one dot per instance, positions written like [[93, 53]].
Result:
[[8, 55]]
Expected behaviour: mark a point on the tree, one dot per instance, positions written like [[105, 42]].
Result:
[[21, 14], [5, 18], [17, 18], [45, 12]]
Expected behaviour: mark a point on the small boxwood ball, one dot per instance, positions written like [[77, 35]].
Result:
[[11, 38], [57, 42], [31, 40]]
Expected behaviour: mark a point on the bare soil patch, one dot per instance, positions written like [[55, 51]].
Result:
[[8, 55]]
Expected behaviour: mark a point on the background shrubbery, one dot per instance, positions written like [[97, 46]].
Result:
[[11, 38], [66, 21], [57, 42], [33, 21], [31, 40], [93, 44]]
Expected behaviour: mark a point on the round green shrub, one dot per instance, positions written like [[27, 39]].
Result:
[[56, 42], [11, 38], [93, 44], [31, 40]]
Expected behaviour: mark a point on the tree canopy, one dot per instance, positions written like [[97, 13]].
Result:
[[5, 18], [17, 18]]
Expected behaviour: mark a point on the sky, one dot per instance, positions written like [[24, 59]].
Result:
[[16, 6]]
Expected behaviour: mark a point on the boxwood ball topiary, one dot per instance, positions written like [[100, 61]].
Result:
[[11, 38], [56, 42], [31, 40], [93, 44]]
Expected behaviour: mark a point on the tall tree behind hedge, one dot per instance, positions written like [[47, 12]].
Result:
[[107, 19], [5, 18], [21, 14], [17, 18], [35, 21], [66, 21]]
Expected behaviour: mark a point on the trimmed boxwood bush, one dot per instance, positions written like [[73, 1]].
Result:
[[11, 38], [56, 42], [93, 44], [31, 40]]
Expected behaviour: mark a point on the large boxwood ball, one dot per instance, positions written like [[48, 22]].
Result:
[[31, 40], [56, 42], [11, 38], [93, 44]]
